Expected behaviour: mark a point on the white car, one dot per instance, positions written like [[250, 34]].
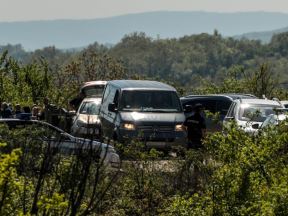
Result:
[[284, 103], [65, 142], [249, 114], [86, 122]]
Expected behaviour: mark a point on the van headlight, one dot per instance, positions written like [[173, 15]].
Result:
[[128, 126], [180, 127]]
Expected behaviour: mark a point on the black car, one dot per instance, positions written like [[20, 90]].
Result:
[[214, 103]]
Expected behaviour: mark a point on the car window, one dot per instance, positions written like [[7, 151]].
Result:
[[256, 112], [209, 105], [231, 110], [90, 108], [223, 106], [93, 90]]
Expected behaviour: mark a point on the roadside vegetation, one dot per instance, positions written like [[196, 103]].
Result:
[[234, 174]]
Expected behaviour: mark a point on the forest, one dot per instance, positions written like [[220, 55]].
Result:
[[234, 174]]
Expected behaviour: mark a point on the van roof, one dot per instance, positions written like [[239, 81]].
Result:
[[141, 84]]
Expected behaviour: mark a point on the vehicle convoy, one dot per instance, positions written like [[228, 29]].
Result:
[[249, 114], [86, 122], [147, 110], [64, 142], [214, 103]]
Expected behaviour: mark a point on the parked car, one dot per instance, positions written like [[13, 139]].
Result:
[[285, 103], [86, 122], [147, 110], [93, 88], [214, 103], [66, 143], [248, 112]]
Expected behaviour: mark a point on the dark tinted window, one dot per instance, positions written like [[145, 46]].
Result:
[[208, 104], [223, 106]]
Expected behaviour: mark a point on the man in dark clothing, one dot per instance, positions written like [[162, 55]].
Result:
[[6, 111], [196, 127]]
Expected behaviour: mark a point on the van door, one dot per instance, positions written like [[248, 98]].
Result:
[[108, 117]]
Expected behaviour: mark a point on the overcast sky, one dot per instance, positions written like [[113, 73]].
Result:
[[22, 10]]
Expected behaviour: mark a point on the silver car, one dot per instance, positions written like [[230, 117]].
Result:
[[248, 113], [65, 142], [86, 122]]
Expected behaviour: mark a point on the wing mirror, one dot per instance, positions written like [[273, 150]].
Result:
[[255, 126], [112, 107]]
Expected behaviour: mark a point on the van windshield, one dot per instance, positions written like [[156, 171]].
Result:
[[150, 101]]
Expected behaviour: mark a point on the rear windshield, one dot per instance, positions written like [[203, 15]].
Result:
[[150, 101], [96, 90], [256, 112]]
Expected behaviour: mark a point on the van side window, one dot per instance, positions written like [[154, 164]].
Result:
[[106, 93], [116, 98]]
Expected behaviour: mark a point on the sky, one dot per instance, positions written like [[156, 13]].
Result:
[[24, 10]]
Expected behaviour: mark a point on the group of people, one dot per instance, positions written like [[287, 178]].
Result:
[[25, 112]]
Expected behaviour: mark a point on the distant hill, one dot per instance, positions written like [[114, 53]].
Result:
[[264, 36], [65, 34]]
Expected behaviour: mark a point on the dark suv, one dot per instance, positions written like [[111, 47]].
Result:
[[214, 103]]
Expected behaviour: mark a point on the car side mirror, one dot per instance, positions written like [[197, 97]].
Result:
[[112, 107], [255, 126]]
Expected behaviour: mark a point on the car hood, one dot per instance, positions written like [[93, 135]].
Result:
[[152, 117]]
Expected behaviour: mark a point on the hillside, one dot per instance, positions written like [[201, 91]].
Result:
[[65, 34], [264, 36]]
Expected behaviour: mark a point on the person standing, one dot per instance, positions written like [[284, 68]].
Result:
[[6, 111], [196, 127]]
